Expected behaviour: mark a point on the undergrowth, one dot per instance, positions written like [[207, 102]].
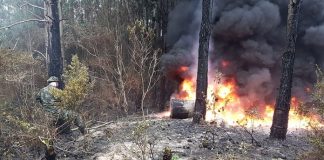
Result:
[[77, 85], [317, 135]]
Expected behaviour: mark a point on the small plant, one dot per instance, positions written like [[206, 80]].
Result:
[[209, 138], [251, 115], [140, 138], [167, 153], [152, 143], [175, 157], [49, 151], [317, 136]]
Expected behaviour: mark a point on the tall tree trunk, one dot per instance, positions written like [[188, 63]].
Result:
[[165, 90], [281, 113], [55, 55], [164, 22], [47, 11], [202, 74], [97, 8], [61, 29]]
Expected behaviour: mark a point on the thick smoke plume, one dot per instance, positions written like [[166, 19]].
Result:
[[248, 39]]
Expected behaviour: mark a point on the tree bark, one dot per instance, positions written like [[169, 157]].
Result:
[[47, 32], [164, 23], [61, 29], [202, 74], [55, 55], [282, 107], [165, 87]]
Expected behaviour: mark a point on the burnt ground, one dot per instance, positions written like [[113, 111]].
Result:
[[116, 140]]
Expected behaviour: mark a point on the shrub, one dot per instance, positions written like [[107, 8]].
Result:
[[22, 122], [77, 85], [317, 138], [317, 135], [140, 138]]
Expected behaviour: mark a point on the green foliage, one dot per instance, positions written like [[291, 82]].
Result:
[[175, 157], [140, 138], [140, 130], [317, 136], [77, 86], [318, 94], [317, 139]]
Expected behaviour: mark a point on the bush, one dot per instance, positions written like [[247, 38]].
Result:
[[317, 139], [317, 135], [22, 122], [77, 85]]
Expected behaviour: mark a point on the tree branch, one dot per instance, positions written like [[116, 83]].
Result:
[[40, 53], [32, 5], [35, 15], [24, 21]]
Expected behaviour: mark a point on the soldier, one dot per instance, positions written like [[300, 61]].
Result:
[[63, 117]]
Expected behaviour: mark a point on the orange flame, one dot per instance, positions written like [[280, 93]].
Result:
[[183, 69], [308, 90], [224, 105], [186, 90], [225, 63]]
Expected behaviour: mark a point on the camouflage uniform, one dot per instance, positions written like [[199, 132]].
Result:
[[50, 105]]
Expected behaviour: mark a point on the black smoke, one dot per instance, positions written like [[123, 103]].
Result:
[[251, 36]]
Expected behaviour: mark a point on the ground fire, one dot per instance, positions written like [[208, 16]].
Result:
[[226, 106]]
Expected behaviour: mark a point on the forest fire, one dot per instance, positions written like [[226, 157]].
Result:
[[225, 105]]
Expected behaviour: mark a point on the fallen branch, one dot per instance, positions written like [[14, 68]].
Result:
[[106, 123], [101, 125], [24, 21], [61, 149]]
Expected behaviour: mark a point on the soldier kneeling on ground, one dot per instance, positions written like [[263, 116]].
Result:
[[63, 118]]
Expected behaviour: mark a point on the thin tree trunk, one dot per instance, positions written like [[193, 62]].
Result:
[[55, 55], [281, 113], [47, 10], [96, 15], [61, 30], [202, 74], [165, 90], [164, 25]]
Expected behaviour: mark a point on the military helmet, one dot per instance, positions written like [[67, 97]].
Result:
[[52, 79]]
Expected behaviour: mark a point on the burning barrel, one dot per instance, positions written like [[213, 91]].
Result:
[[182, 109]]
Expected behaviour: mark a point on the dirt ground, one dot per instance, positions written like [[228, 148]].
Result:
[[122, 140]]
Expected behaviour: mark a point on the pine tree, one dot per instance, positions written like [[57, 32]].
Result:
[[202, 77], [281, 113], [77, 86]]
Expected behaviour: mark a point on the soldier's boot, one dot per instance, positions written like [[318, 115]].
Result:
[[63, 127], [80, 124]]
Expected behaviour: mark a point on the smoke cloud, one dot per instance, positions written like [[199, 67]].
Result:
[[251, 36]]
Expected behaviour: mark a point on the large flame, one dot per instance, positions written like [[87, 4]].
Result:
[[224, 105]]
